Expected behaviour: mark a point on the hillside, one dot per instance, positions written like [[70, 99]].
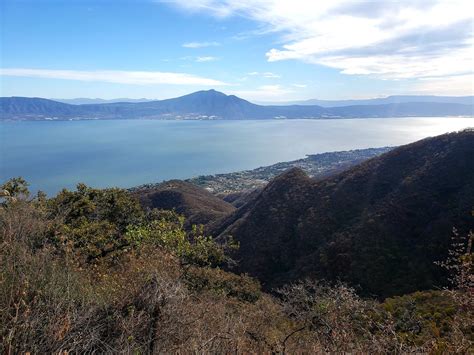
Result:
[[92, 271], [196, 204], [30, 108], [378, 226], [212, 104]]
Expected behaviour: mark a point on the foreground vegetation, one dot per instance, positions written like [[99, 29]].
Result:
[[91, 271]]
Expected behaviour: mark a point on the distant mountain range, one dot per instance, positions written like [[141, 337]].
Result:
[[396, 99], [211, 104], [85, 101]]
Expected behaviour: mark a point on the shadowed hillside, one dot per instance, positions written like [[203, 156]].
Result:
[[379, 226], [196, 204], [238, 199]]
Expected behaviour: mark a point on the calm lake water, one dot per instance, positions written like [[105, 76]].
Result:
[[52, 155]]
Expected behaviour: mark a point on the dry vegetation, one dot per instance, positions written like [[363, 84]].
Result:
[[90, 271]]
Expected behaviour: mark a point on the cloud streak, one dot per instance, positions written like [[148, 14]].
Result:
[[267, 74], [383, 39], [200, 44], [114, 76], [206, 59]]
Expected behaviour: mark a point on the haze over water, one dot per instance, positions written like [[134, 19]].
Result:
[[125, 153]]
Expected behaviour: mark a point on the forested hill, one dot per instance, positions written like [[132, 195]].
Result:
[[198, 205], [110, 271], [379, 226], [212, 104]]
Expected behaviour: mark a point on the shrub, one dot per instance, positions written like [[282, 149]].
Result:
[[90, 272]]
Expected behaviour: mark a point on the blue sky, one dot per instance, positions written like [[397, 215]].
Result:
[[261, 50]]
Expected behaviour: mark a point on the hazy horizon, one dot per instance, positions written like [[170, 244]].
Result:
[[137, 99]]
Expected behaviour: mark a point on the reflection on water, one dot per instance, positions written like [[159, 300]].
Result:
[[52, 155]]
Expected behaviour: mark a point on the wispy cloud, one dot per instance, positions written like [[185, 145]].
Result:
[[200, 44], [299, 85], [267, 74], [200, 59], [114, 76], [206, 59], [384, 39]]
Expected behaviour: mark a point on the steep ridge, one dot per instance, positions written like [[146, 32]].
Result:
[[379, 226], [196, 204]]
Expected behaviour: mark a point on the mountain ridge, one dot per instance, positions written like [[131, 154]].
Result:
[[212, 104], [97, 100], [390, 215], [466, 100]]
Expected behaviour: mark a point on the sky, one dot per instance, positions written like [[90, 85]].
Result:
[[260, 50]]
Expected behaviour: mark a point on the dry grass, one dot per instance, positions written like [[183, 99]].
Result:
[[147, 302]]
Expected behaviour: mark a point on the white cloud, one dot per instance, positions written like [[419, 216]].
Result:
[[267, 74], [402, 66], [206, 59], [384, 39], [199, 59], [299, 85], [200, 44], [270, 75], [114, 76]]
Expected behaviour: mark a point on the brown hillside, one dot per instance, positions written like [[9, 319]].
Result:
[[196, 204], [379, 226]]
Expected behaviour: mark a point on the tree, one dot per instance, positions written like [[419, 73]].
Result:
[[14, 188]]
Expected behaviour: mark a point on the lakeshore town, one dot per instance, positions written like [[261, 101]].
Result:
[[315, 165]]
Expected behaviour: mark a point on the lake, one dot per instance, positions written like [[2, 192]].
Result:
[[125, 153]]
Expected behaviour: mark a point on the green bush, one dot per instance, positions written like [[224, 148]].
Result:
[[89, 271], [242, 287]]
